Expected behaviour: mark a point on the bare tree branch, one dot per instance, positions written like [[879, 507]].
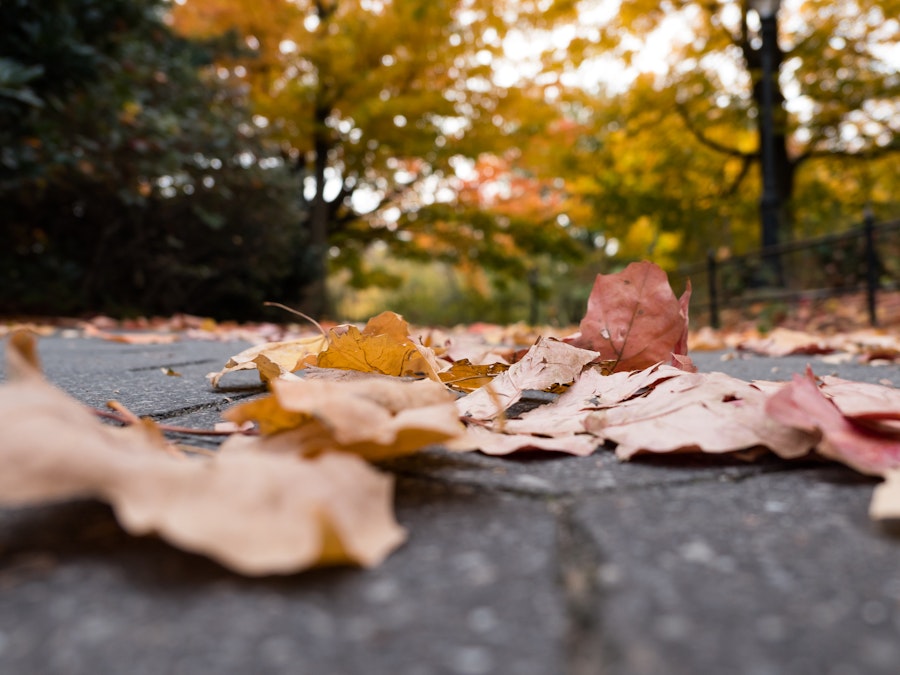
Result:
[[705, 140]]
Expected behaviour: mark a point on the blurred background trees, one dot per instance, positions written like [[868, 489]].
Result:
[[131, 178], [203, 155]]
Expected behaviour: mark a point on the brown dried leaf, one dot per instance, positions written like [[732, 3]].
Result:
[[255, 512], [131, 338], [784, 342], [466, 377], [375, 418], [383, 346], [634, 320], [547, 363]]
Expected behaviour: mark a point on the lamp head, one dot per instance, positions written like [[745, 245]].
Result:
[[765, 8]]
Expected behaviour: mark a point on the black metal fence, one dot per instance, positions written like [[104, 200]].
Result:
[[864, 260]]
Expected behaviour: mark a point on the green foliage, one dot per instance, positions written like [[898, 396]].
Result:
[[130, 182]]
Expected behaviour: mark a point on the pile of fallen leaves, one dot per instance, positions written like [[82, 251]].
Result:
[[294, 485]]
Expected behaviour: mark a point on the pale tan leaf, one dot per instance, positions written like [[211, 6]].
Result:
[[256, 512], [376, 418], [496, 443], [709, 412], [783, 342], [273, 359], [591, 391], [547, 363], [885, 505]]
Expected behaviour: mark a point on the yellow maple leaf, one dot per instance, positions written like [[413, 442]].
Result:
[[383, 346]]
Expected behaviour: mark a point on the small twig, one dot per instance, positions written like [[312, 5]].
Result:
[[128, 418], [300, 314]]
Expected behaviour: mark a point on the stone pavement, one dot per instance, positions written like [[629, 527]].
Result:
[[536, 566]]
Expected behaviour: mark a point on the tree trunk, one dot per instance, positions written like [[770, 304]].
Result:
[[316, 302], [784, 167]]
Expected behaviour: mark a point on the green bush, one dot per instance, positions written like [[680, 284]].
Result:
[[131, 180]]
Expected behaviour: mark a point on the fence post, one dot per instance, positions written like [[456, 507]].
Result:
[[713, 290], [871, 266]]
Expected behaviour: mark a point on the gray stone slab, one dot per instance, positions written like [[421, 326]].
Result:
[[780, 573], [96, 371], [536, 564], [752, 367], [474, 591], [560, 475]]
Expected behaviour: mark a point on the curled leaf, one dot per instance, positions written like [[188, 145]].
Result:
[[467, 377], [255, 512], [273, 359], [802, 405], [547, 363], [375, 418]]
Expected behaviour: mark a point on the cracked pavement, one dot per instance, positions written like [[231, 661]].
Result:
[[538, 565]]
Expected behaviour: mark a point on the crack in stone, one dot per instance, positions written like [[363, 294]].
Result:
[[199, 407], [523, 489], [587, 650], [179, 364]]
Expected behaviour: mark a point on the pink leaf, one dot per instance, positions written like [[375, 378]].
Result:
[[802, 405]]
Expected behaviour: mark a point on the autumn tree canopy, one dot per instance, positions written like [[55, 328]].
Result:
[[377, 105], [669, 153]]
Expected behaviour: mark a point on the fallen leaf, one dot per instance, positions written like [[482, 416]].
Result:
[[697, 412], [785, 342], [885, 505], [131, 338], [383, 346], [862, 400], [590, 392], [272, 359], [253, 511], [547, 363], [466, 377], [706, 339], [495, 443], [802, 405], [633, 318], [375, 418]]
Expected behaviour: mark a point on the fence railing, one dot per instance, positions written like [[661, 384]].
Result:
[[865, 259]]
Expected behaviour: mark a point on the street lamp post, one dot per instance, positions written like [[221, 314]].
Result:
[[769, 203]]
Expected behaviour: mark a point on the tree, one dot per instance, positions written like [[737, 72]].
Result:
[[677, 145], [376, 104], [128, 183]]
